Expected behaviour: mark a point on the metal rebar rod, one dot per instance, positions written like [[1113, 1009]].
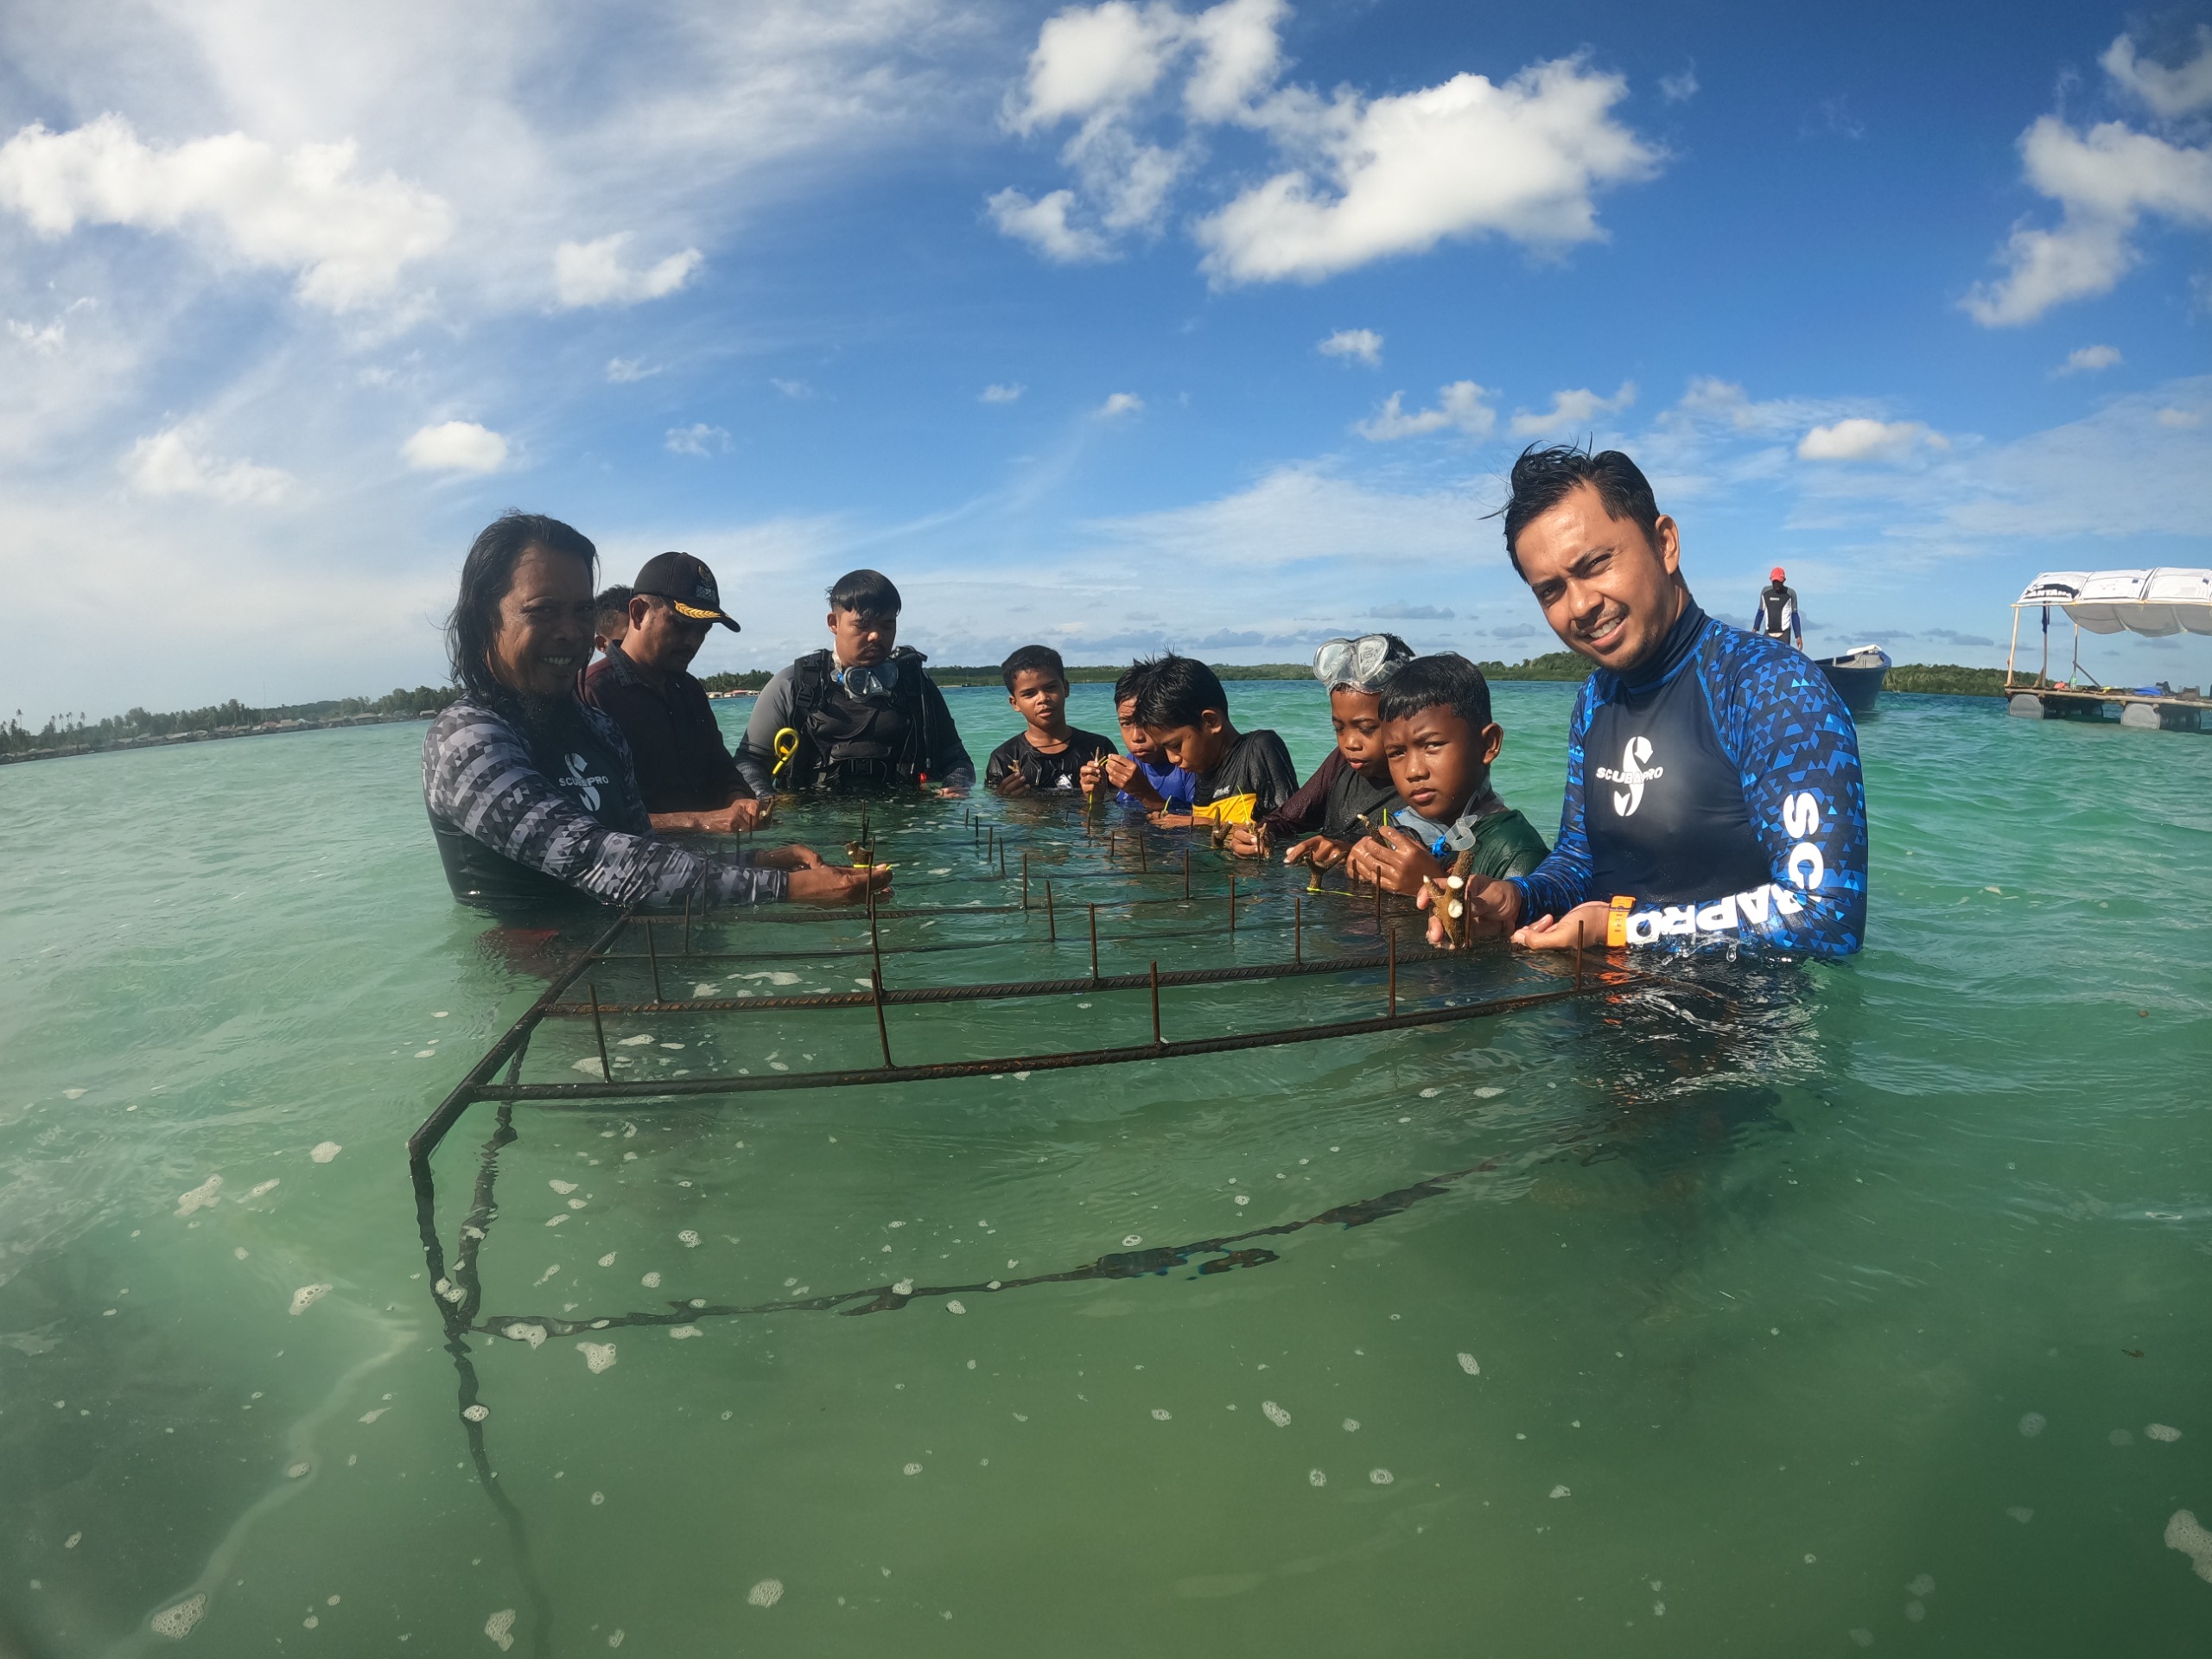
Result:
[[1378, 902], [1157, 1040], [1025, 879], [1187, 872], [1143, 869], [779, 1082], [1298, 927], [434, 1128], [1002, 859], [1094, 945], [1052, 924], [652, 955], [1393, 936], [687, 921], [1232, 904], [883, 1029], [598, 1030], [1112, 842], [998, 991], [1577, 956]]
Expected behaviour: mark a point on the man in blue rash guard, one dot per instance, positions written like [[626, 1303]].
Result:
[[1713, 795]]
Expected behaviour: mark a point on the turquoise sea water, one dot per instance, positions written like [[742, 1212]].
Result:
[[1796, 1313]]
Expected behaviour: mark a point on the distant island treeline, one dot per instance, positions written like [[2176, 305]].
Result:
[[141, 729]]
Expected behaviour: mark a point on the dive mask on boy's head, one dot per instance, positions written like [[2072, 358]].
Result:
[[1363, 664]]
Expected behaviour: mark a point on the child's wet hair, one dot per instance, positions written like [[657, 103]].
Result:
[[868, 592], [1176, 691], [1034, 659], [1446, 680], [1129, 686]]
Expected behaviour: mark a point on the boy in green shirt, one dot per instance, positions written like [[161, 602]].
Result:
[[1439, 740]]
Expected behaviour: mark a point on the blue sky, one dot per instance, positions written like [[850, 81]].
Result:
[[1113, 326]]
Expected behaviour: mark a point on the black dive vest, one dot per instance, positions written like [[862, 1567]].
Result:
[[1774, 603], [849, 742]]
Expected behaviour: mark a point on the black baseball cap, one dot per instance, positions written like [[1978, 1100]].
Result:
[[686, 583]]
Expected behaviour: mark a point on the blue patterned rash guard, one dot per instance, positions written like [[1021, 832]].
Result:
[[522, 814], [1720, 791]]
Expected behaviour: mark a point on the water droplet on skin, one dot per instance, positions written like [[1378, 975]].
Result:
[[1275, 1413], [1467, 1364], [767, 1593], [324, 1151], [307, 1296], [2032, 1424]]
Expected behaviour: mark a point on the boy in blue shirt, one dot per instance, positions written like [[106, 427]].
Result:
[[1144, 778]]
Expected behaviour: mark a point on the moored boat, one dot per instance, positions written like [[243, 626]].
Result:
[[1857, 676]]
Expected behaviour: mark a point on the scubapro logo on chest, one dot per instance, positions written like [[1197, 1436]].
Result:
[[1634, 772], [584, 781]]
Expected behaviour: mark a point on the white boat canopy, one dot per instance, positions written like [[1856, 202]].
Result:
[[2157, 601]]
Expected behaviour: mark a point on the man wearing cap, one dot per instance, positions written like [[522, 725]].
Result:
[[684, 772], [1776, 616]]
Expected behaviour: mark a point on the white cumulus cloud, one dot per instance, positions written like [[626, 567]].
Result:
[[592, 273], [172, 462], [1358, 178], [1004, 392], [1570, 410], [623, 370], [2169, 92], [2106, 181], [1679, 89], [455, 447], [1044, 224], [1363, 345], [1119, 403], [696, 439], [2089, 360], [304, 210], [1860, 438], [1458, 406]]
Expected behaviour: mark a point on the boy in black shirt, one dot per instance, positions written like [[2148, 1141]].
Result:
[[1239, 775], [1050, 754]]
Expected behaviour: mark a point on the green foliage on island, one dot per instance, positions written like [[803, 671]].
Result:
[[1554, 666], [751, 680], [1947, 679], [76, 735]]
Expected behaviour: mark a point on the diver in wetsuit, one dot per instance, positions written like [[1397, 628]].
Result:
[[1714, 792], [1776, 616], [860, 714]]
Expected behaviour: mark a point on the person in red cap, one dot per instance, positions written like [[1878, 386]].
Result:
[[1776, 616], [685, 771]]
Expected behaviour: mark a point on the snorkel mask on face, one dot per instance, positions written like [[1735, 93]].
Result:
[[1361, 664]]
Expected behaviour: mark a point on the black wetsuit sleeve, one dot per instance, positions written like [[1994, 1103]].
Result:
[[1264, 770], [479, 776], [756, 752], [946, 761], [1005, 762]]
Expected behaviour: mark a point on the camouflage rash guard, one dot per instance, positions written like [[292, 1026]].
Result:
[[522, 814]]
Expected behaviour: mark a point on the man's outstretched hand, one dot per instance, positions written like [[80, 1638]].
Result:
[[836, 884], [1317, 850], [1584, 925]]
